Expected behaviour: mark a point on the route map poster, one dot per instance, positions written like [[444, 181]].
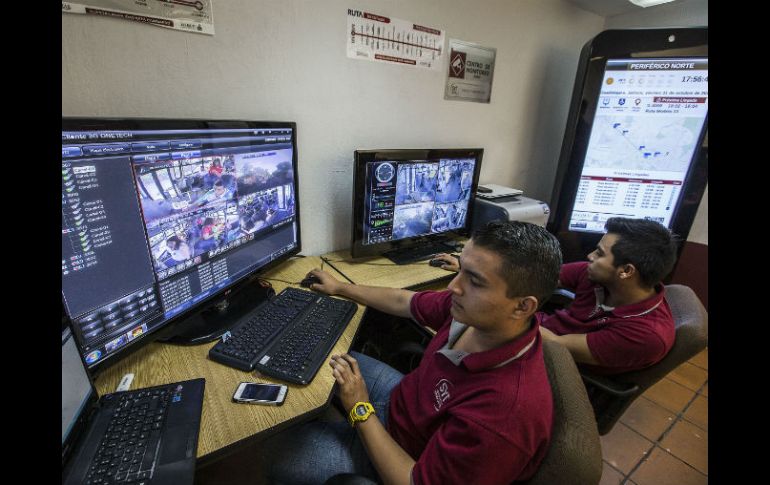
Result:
[[378, 38], [649, 117], [187, 15], [471, 69]]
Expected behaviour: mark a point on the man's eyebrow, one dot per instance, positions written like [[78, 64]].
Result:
[[476, 275]]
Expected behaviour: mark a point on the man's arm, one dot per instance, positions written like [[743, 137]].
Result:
[[393, 464], [394, 301], [576, 343]]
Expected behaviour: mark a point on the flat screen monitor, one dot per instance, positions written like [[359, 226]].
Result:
[[162, 217], [403, 199]]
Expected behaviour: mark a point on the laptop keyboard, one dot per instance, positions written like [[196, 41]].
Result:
[[129, 449]]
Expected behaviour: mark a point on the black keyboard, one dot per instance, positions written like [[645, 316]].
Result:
[[287, 337], [129, 449]]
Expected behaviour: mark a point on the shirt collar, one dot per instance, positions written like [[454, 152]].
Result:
[[496, 357], [635, 309]]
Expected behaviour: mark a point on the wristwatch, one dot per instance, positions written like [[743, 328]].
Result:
[[360, 412]]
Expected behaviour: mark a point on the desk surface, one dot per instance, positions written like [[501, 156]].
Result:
[[380, 271], [224, 424]]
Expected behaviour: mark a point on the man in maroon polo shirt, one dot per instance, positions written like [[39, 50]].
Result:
[[478, 409], [620, 320]]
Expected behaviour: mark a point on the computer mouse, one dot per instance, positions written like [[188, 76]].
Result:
[[309, 280], [436, 262]]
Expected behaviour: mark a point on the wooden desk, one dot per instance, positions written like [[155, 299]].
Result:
[[380, 271], [225, 425]]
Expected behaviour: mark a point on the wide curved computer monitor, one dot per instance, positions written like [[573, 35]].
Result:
[[407, 202], [163, 218]]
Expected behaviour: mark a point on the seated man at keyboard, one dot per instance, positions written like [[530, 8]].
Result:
[[620, 320], [478, 409]]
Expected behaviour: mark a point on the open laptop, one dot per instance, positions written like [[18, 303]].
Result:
[[144, 436]]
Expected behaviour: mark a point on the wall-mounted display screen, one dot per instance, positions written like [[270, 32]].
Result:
[[649, 117]]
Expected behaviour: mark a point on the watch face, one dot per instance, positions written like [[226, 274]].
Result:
[[361, 410]]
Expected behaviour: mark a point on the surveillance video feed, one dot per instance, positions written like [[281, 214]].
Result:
[[416, 183], [198, 206], [429, 198], [448, 216], [412, 220], [455, 178]]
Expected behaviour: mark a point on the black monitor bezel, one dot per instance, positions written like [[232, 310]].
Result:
[[128, 124], [362, 157]]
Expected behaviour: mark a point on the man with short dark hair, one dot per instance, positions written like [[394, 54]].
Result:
[[478, 409], [619, 320]]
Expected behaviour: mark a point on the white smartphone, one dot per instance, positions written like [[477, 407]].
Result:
[[255, 393]]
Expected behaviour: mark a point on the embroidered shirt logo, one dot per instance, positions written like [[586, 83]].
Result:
[[441, 393]]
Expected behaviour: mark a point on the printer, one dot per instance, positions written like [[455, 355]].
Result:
[[510, 208]]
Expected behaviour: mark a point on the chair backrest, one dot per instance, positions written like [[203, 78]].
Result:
[[574, 455], [612, 395]]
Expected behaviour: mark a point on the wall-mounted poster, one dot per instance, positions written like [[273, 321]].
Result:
[[471, 69], [190, 16], [378, 38]]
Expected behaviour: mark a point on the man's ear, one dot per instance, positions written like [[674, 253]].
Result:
[[525, 307], [626, 271]]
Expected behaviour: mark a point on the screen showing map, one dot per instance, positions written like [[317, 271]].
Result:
[[647, 127]]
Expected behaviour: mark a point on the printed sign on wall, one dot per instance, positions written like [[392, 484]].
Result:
[[471, 69], [190, 16], [378, 38]]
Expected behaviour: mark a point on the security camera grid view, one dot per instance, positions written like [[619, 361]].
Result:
[[414, 198], [202, 204]]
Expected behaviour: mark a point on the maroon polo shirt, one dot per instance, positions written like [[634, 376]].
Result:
[[482, 417], [623, 339]]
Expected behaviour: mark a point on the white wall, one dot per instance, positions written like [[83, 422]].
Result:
[[285, 60], [681, 13]]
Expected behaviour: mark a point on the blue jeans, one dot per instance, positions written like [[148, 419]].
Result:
[[315, 451]]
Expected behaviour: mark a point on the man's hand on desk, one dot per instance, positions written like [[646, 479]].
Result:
[[451, 262], [327, 283]]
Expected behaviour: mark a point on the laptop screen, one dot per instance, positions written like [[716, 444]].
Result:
[[76, 389]]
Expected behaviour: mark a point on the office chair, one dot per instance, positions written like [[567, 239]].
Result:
[[574, 455], [611, 395]]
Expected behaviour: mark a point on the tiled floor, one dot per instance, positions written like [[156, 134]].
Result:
[[662, 438]]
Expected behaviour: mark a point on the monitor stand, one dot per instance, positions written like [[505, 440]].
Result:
[[209, 324], [419, 252]]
